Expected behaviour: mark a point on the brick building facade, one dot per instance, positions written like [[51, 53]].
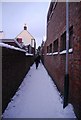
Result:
[[54, 49]]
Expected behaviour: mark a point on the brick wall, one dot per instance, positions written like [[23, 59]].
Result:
[[15, 65], [55, 64]]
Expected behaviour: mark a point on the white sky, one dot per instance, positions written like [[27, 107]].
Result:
[[0, 16], [16, 14]]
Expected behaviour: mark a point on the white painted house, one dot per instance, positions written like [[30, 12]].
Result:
[[26, 38]]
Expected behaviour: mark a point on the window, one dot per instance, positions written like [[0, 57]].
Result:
[[70, 36], [51, 6], [47, 49], [51, 48], [51, 9], [63, 42], [63, 39], [55, 46], [48, 17]]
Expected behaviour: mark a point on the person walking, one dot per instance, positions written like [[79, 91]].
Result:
[[37, 60]]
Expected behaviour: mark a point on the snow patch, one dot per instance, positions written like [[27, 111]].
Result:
[[11, 47], [64, 51], [28, 54]]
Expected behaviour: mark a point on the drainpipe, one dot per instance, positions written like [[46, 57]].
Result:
[[66, 80]]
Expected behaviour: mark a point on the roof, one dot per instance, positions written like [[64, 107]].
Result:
[[26, 33], [10, 41], [7, 40]]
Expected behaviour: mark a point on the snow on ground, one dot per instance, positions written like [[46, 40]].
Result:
[[37, 97]]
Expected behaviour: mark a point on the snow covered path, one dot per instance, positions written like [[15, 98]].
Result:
[[37, 97]]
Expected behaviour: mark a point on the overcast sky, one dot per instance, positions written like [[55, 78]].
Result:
[[16, 14]]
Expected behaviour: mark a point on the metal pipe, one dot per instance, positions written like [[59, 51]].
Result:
[[66, 81], [67, 34]]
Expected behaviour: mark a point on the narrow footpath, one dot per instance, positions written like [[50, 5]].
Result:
[[37, 97]]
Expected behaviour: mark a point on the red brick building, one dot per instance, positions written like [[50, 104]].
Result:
[[54, 49]]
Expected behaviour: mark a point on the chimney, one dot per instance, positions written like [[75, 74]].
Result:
[[25, 27]]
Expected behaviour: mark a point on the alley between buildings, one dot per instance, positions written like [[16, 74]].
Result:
[[37, 97]]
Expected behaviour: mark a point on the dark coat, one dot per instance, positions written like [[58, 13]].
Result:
[[37, 59]]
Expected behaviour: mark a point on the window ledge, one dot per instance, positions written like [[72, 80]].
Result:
[[55, 53], [64, 51], [49, 54]]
